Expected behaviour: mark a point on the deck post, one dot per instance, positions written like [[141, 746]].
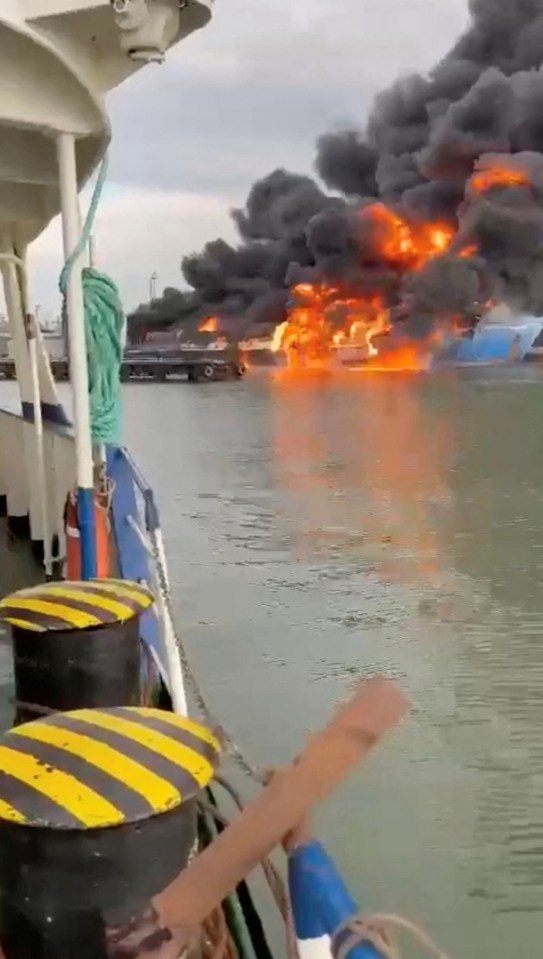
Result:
[[71, 228], [41, 465], [14, 309]]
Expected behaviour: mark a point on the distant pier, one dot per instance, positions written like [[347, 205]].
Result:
[[140, 364]]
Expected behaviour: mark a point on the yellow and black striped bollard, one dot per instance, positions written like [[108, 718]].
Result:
[[97, 816], [76, 644]]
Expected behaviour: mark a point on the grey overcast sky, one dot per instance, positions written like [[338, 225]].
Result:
[[246, 94]]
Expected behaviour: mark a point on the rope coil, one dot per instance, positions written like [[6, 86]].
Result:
[[105, 331], [379, 929]]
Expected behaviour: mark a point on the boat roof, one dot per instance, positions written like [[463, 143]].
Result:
[[58, 59]]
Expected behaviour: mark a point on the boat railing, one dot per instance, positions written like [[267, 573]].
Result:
[[138, 545], [141, 557], [21, 496]]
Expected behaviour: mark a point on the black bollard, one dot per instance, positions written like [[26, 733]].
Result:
[[75, 644], [97, 816]]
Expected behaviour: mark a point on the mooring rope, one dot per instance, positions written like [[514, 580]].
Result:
[[379, 929], [105, 331], [259, 775], [376, 929]]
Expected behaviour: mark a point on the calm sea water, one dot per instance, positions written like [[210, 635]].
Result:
[[322, 530]]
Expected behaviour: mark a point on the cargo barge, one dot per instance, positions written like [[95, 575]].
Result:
[[193, 362]]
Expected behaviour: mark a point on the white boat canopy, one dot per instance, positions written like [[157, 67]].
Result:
[[73, 52], [58, 59]]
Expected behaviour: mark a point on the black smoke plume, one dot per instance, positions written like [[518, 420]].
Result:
[[424, 139]]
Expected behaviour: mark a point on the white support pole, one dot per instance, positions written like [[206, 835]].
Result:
[[71, 229], [12, 293], [21, 472], [31, 323], [175, 666], [31, 328]]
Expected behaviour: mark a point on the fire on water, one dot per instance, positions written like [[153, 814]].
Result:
[[324, 329], [327, 323]]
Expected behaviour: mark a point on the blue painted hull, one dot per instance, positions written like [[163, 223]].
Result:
[[492, 344]]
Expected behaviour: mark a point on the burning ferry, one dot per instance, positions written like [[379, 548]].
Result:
[[372, 343], [395, 294]]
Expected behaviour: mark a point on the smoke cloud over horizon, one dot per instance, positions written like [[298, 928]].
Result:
[[427, 153]]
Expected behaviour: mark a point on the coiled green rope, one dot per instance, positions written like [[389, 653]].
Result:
[[105, 332]]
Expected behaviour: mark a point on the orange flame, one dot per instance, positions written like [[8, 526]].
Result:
[[324, 320], [498, 176], [277, 338], [209, 325], [406, 244], [467, 251], [309, 336], [407, 359]]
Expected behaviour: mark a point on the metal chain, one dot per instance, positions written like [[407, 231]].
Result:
[[231, 748]]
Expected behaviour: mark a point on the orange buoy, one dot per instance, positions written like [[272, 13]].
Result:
[[73, 537]]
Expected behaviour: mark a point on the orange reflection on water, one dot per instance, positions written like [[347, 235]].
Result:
[[363, 463]]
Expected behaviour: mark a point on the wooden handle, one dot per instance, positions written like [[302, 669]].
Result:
[[329, 756]]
